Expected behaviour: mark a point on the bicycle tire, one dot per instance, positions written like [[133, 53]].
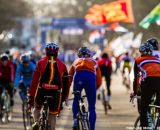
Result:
[[43, 122], [27, 119], [137, 124], [104, 102], [6, 108]]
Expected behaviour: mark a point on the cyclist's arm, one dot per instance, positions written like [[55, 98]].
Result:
[[35, 81], [98, 77], [17, 77], [65, 87], [71, 73], [135, 85]]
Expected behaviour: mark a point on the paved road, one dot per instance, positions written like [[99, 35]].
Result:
[[121, 117]]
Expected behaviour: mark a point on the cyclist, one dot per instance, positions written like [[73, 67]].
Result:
[[105, 65], [6, 75], [24, 73], [50, 79], [126, 58], [86, 75], [149, 68]]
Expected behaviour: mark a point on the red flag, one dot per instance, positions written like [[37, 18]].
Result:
[[118, 11]]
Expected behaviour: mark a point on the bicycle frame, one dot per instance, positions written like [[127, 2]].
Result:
[[5, 107], [44, 115], [82, 116]]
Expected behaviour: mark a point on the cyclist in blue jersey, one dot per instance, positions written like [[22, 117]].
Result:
[[24, 74]]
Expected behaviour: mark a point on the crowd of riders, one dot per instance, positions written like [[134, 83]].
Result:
[[50, 76]]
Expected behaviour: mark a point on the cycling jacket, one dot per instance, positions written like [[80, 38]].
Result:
[[146, 66], [7, 72], [87, 64], [105, 65], [24, 73], [43, 75]]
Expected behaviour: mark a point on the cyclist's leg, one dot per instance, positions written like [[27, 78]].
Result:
[[147, 92], [10, 92], [78, 86], [39, 99], [90, 89], [108, 84]]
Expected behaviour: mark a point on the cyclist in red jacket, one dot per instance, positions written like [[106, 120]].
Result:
[[50, 78], [6, 75], [105, 65]]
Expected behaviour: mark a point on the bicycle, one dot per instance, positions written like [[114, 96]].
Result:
[[153, 118], [5, 106], [82, 116], [26, 110], [102, 96], [126, 79], [43, 122], [156, 119], [137, 122]]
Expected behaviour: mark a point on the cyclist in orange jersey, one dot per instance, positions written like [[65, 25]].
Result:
[[86, 75], [149, 67]]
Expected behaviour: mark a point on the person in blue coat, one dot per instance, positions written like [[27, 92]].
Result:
[[24, 73]]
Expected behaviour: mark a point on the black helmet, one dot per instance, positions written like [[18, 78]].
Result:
[[146, 49], [4, 57], [84, 52], [25, 58], [153, 42], [52, 49]]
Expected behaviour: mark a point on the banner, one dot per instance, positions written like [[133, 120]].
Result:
[[118, 11], [152, 17]]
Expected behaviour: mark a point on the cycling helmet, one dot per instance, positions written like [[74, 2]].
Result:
[[52, 49], [153, 42], [84, 52], [25, 58], [146, 49], [4, 57]]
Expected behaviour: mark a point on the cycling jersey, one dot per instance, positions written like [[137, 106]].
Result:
[[149, 66], [86, 75], [105, 65], [39, 71], [7, 72], [50, 78], [86, 64], [24, 73]]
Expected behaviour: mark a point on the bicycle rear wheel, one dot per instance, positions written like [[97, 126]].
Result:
[[137, 124], [6, 108], [27, 118], [104, 102], [83, 125]]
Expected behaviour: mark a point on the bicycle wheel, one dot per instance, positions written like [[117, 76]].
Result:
[[137, 124], [6, 108], [27, 118], [104, 102]]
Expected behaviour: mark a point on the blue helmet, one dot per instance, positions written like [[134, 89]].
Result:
[[84, 52], [153, 41], [25, 58], [146, 49]]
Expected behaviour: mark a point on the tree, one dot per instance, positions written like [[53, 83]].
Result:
[[10, 10]]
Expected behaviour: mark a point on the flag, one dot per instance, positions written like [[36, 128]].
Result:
[[94, 35], [152, 17], [117, 28], [118, 11]]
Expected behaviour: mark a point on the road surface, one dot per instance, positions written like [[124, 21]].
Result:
[[121, 117]]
